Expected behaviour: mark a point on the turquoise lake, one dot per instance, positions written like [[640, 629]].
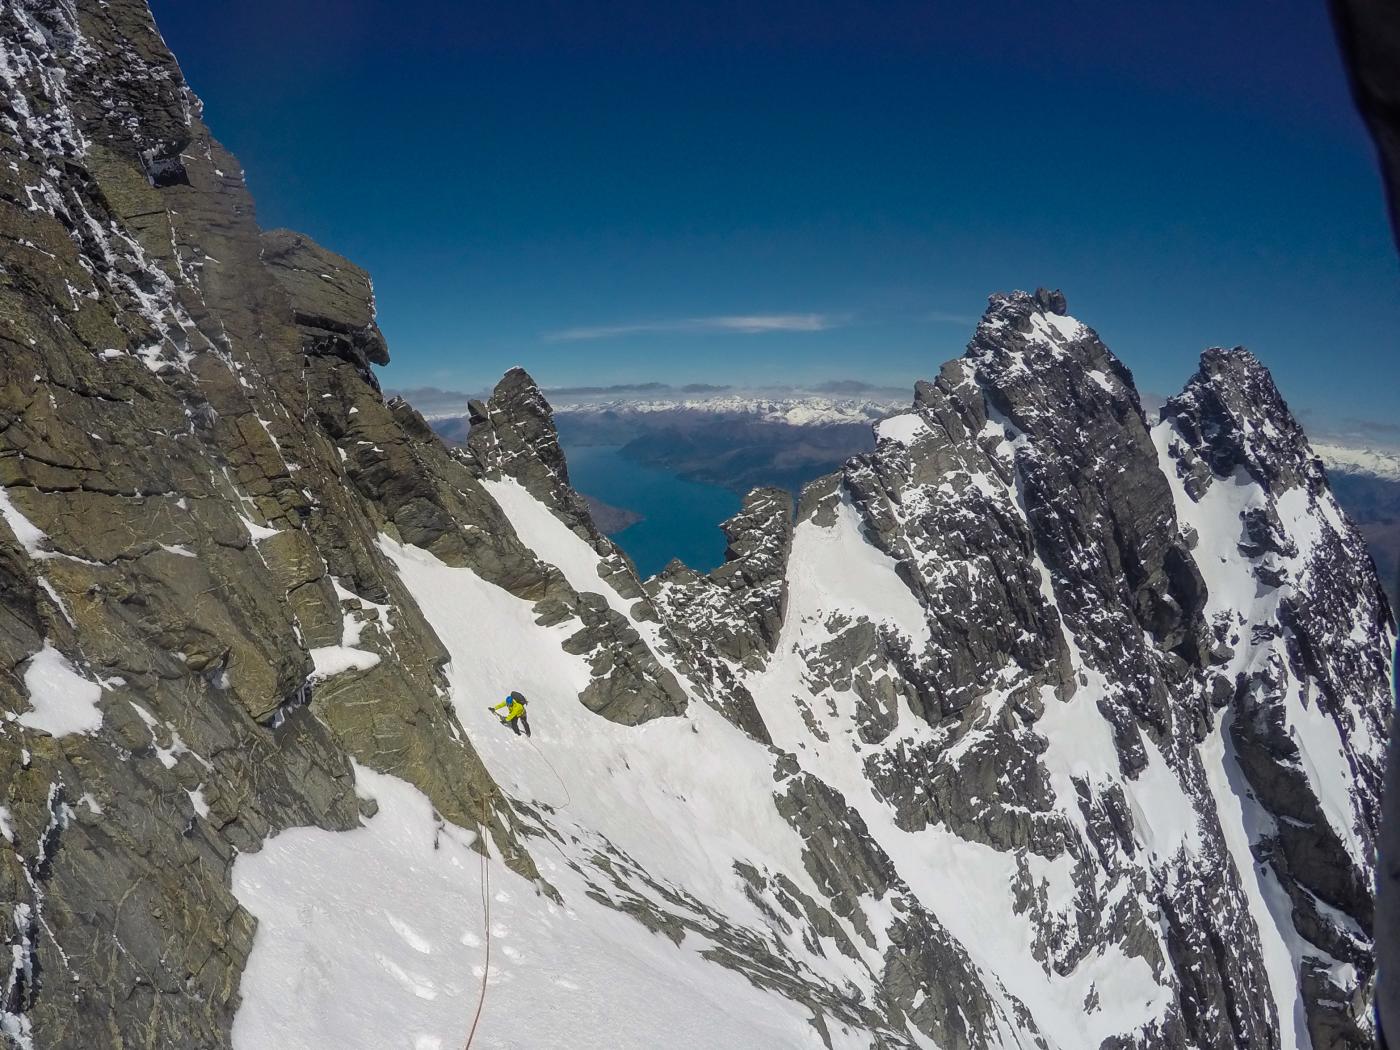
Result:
[[680, 519]]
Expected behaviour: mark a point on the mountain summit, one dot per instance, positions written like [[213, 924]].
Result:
[[1045, 724]]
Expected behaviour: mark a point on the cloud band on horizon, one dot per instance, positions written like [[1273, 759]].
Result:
[[737, 324]]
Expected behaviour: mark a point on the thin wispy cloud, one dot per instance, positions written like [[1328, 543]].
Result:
[[944, 317], [738, 324]]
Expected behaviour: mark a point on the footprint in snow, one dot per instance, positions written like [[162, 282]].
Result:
[[411, 937], [513, 954], [419, 986], [308, 912], [427, 1042], [500, 931], [470, 939]]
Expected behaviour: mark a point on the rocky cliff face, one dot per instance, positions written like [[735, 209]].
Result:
[[1045, 724], [201, 633]]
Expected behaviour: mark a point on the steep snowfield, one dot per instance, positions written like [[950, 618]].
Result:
[[680, 798], [375, 938], [1237, 595], [554, 543], [836, 575]]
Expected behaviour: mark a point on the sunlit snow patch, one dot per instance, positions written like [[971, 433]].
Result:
[[331, 660], [906, 428], [62, 700], [31, 537]]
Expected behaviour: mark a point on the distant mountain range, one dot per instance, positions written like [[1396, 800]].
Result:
[[797, 410], [742, 440], [1365, 462]]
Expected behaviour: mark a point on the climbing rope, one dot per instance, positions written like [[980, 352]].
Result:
[[486, 889], [486, 922], [568, 798]]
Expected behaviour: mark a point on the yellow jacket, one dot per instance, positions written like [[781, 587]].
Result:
[[514, 708]]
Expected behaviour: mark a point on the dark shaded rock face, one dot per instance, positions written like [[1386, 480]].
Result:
[[1369, 34], [1042, 725], [755, 561], [513, 435], [1319, 651]]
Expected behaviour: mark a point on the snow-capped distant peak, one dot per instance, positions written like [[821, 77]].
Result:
[[795, 411], [1348, 460]]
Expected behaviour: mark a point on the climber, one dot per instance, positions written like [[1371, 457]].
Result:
[[515, 713]]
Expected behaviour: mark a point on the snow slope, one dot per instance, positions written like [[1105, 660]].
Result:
[[968, 883], [680, 798], [376, 938]]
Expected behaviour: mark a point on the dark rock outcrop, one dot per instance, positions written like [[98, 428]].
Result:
[[332, 301], [740, 606]]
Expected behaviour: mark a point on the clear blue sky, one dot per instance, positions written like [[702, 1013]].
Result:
[[616, 192]]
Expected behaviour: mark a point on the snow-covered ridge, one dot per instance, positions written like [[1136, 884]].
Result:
[[1018, 806]]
